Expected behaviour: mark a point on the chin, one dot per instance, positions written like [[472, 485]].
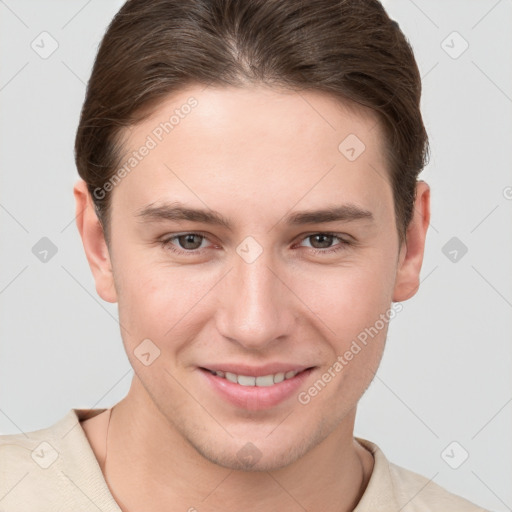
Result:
[[250, 458], [263, 453]]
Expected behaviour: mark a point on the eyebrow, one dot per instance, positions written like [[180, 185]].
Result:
[[177, 212]]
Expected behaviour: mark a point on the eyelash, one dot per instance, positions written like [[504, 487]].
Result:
[[166, 244]]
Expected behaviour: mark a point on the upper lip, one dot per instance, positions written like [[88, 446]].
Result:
[[256, 371]]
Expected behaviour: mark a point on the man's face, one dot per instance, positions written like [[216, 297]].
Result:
[[262, 290]]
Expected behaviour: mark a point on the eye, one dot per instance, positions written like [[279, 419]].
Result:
[[190, 244], [184, 243], [321, 243]]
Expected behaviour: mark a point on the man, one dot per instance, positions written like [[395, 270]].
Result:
[[249, 198]]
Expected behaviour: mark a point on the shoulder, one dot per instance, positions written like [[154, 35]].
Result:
[[51, 468], [423, 494], [26, 461], [392, 487], [30, 449]]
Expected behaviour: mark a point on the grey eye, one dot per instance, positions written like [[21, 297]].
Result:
[[321, 240], [190, 241]]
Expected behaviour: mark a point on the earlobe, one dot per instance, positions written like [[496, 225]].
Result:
[[411, 258], [93, 239]]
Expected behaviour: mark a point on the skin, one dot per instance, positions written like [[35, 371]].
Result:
[[254, 155]]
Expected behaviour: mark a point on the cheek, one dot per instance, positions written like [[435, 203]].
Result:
[[161, 302], [354, 309], [349, 298]]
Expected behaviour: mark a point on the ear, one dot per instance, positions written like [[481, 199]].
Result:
[[93, 239], [410, 259]]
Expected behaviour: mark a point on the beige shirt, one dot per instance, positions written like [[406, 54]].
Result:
[[55, 470]]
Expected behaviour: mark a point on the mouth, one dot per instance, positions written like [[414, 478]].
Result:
[[264, 389], [256, 380]]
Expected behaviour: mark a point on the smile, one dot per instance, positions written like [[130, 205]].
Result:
[[256, 392], [261, 381]]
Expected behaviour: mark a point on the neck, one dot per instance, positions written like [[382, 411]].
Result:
[[152, 471]]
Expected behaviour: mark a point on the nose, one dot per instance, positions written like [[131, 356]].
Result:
[[256, 306]]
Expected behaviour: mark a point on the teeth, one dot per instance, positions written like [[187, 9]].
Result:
[[243, 380], [231, 377], [262, 381], [278, 377], [267, 380]]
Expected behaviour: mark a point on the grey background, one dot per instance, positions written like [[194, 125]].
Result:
[[446, 371]]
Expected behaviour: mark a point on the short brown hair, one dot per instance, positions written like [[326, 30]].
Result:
[[350, 49]]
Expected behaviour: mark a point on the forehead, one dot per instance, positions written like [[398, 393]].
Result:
[[254, 144]]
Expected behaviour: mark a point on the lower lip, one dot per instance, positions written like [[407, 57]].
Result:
[[255, 398]]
